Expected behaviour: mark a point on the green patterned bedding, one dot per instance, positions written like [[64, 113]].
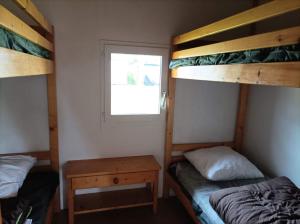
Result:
[[14, 41], [263, 55]]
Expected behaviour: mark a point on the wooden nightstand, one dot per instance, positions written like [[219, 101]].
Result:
[[96, 173]]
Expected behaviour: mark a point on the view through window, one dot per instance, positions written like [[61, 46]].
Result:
[[135, 84]]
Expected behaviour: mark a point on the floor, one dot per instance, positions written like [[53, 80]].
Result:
[[170, 211]]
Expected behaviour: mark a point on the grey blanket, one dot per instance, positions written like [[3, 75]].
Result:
[[273, 201]]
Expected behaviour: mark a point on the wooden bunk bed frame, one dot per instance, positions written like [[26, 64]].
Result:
[[276, 74], [17, 64]]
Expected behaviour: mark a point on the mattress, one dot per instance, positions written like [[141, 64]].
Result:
[[38, 190], [263, 55], [14, 41], [198, 190]]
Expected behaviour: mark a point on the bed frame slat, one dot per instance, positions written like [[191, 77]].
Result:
[[16, 25], [271, 39], [192, 146], [183, 199], [16, 64], [29, 7], [275, 74], [262, 12]]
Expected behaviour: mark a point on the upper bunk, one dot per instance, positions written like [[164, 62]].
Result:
[[271, 58], [25, 50]]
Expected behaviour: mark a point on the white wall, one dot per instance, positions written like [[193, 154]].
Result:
[[273, 130], [272, 137], [204, 111]]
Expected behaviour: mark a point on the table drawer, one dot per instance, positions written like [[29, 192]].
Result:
[[112, 180]]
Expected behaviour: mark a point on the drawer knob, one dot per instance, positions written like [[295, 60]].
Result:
[[116, 180]]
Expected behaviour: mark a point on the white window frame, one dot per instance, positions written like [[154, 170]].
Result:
[[109, 47]]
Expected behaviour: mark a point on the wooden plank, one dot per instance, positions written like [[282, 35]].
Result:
[[52, 120], [70, 201], [112, 200], [40, 155], [192, 146], [270, 39], [169, 130], [262, 12], [155, 193], [241, 116], [276, 74], [0, 215], [182, 197], [14, 24], [50, 212], [14, 64], [29, 7], [178, 158], [106, 166]]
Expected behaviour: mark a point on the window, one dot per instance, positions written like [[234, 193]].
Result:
[[134, 80], [135, 84]]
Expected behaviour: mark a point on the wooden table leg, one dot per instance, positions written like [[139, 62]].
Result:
[[155, 193], [0, 215], [70, 203]]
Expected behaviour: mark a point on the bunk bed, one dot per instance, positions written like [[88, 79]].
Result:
[[271, 58], [27, 50]]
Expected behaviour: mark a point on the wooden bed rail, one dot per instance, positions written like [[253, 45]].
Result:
[[29, 7], [271, 39], [256, 14], [192, 146], [16, 64], [275, 74]]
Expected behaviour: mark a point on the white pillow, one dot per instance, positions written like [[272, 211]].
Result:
[[222, 163], [13, 171]]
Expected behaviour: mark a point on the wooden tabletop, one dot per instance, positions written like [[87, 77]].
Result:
[[80, 168]]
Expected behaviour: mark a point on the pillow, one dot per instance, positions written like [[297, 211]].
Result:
[[222, 163], [13, 171]]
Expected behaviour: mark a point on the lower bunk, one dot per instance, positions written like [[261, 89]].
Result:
[[34, 201], [196, 193]]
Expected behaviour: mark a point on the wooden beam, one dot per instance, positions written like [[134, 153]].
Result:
[[179, 158], [276, 74], [182, 197], [40, 155], [262, 12], [52, 115], [16, 25], [53, 120], [193, 146], [0, 214], [29, 7], [15, 64], [169, 130], [271, 39], [241, 116]]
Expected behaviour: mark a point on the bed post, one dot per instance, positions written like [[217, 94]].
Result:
[[241, 116], [243, 101], [169, 130], [52, 117], [0, 215]]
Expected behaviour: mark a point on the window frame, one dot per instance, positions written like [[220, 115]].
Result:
[[132, 48]]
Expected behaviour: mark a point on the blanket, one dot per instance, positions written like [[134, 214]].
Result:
[[272, 201]]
